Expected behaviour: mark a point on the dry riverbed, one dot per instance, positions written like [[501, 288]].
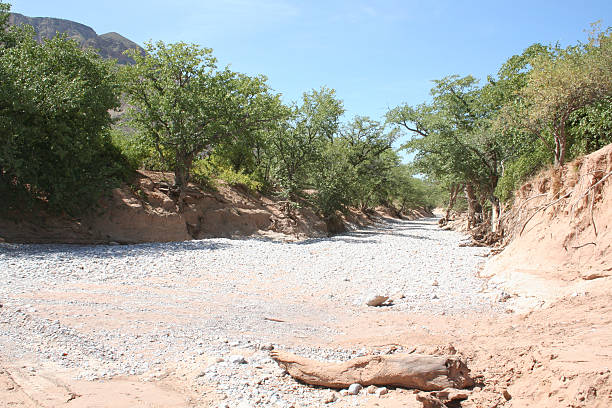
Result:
[[191, 323]]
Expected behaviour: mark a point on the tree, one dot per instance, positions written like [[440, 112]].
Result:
[[184, 106], [54, 122], [298, 143], [562, 83], [454, 141]]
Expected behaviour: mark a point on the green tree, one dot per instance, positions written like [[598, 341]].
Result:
[[562, 83], [54, 122], [297, 144], [185, 106]]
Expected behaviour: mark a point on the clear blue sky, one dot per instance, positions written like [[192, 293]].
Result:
[[376, 54]]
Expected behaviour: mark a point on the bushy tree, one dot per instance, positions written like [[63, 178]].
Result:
[[54, 122], [185, 106], [297, 144], [561, 83]]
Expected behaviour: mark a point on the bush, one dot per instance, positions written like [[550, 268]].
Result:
[[519, 170], [54, 124], [207, 170]]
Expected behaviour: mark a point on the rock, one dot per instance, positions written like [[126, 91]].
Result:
[[435, 283], [375, 300], [330, 397], [223, 405], [354, 389], [507, 395], [266, 347], [237, 359], [434, 296], [451, 394], [382, 391], [429, 401], [503, 296], [371, 389], [344, 393]]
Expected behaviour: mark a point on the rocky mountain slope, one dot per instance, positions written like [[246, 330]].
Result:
[[109, 45]]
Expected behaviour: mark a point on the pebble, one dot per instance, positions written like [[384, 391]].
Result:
[[330, 397], [237, 359], [382, 391], [354, 389], [216, 278], [375, 300]]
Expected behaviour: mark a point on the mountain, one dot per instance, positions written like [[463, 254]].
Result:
[[109, 45]]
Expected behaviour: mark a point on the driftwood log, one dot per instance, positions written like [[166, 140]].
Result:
[[426, 373]]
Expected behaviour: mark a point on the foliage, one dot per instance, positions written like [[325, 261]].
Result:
[[185, 106], [54, 123], [518, 170], [561, 83], [297, 144], [590, 128], [207, 171]]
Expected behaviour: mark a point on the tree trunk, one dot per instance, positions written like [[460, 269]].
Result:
[[560, 144], [495, 213], [427, 373], [454, 190], [471, 202], [181, 177]]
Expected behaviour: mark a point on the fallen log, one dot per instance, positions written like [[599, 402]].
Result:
[[426, 373]]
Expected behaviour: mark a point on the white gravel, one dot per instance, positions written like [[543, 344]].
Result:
[[180, 302]]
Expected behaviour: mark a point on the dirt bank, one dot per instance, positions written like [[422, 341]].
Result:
[[558, 232], [146, 211]]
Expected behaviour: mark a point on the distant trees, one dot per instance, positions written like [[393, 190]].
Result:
[[54, 121], [218, 123], [58, 144], [486, 139]]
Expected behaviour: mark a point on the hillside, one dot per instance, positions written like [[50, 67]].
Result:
[[109, 45]]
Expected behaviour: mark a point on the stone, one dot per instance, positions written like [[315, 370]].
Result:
[[451, 394], [267, 347], [429, 401], [503, 296], [507, 395], [330, 397], [237, 359], [354, 389], [382, 391], [344, 393], [371, 389], [435, 283], [375, 300]]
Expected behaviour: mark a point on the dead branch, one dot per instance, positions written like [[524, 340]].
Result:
[[583, 245], [427, 373], [593, 186]]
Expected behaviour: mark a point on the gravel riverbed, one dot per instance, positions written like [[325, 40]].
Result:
[[193, 308]]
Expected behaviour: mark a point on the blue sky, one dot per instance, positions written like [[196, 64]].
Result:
[[376, 54]]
